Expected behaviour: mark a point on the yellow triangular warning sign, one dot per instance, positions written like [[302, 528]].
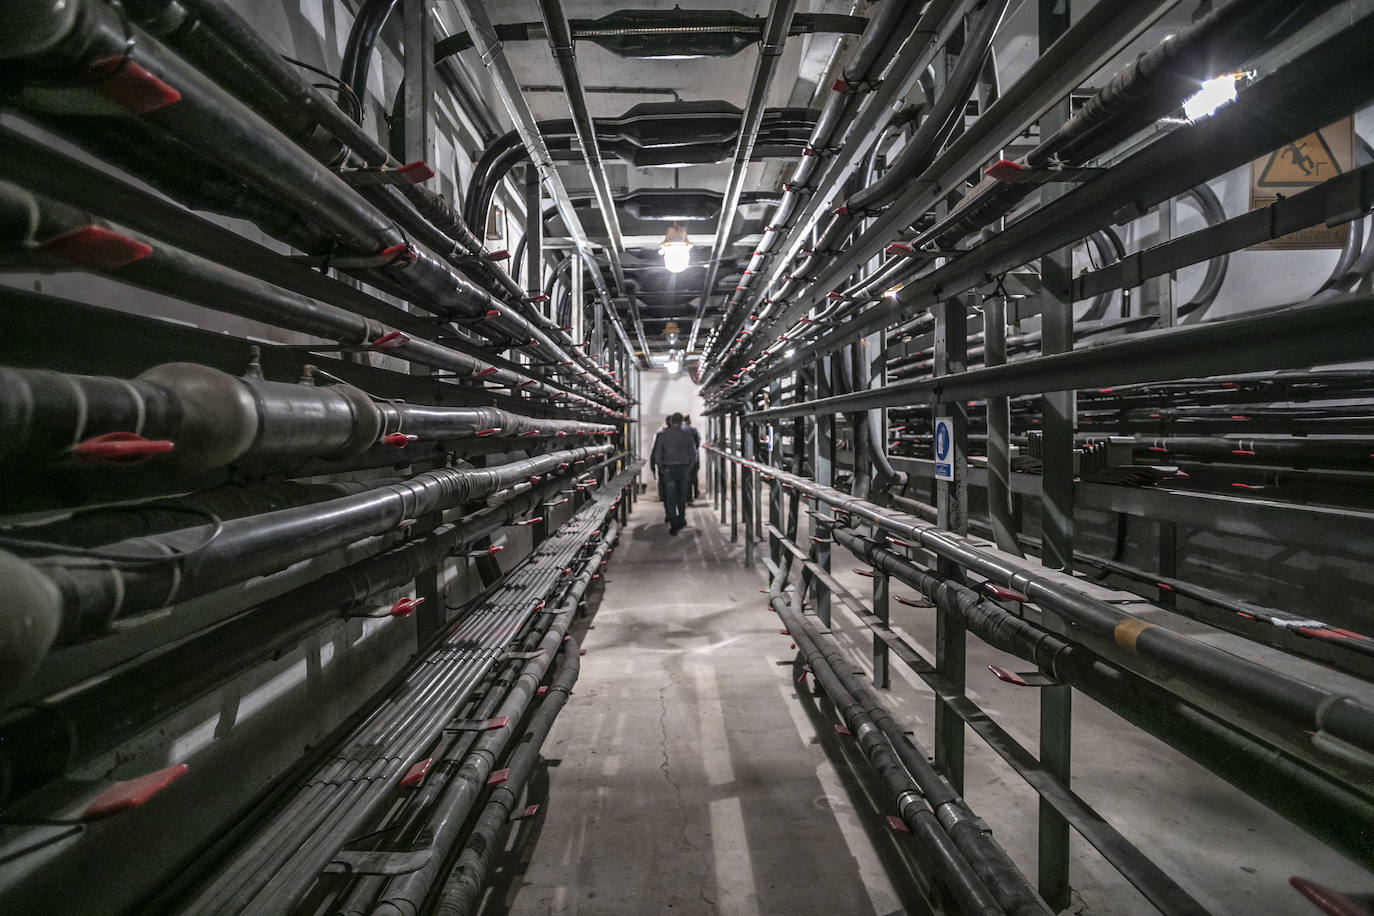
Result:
[[1302, 163]]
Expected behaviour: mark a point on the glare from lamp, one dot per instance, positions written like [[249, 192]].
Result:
[[1213, 94], [791, 352], [674, 365], [676, 249]]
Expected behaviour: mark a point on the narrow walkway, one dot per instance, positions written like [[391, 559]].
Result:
[[691, 779]]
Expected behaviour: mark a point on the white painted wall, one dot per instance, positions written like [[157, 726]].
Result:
[[661, 394]]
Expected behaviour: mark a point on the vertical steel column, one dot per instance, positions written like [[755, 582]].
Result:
[[418, 65], [881, 668], [577, 298], [1057, 419], [534, 238], [749, 494], [775, 504], [951, 500], [999, 430], [732, 442], [822, 465]]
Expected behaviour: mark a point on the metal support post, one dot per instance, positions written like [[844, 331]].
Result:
[[881, 669], [749, 495], [1004, 532], [951, 356], [732, 442], [823, 463], [1058, 408], [534, 238], [418, 65]]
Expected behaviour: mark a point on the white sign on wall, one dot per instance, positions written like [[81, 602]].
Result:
[[944, 449]]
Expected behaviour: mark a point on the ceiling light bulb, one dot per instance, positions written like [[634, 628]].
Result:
[[676, 249], [1213, 94]]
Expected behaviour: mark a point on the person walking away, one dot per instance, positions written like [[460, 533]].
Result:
[[674, 455], [696, 467]]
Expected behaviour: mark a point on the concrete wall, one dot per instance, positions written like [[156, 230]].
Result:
[[661, 394]]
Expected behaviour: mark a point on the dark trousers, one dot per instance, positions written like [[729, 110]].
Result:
[[677, 481]]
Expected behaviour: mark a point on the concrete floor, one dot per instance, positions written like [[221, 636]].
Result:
[[690, 776]]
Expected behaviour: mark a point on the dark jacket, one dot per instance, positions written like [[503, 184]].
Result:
[[696, 436], [673, 446]]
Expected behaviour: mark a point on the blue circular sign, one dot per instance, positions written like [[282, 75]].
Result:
[[941, 441]]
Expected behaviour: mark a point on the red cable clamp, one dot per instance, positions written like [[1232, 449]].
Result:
[[907, 601], [896, 824], [835, 296], [1006, 171], [540, 605], [131, 793], [491, 551], [417, 772], [405, 606], [899, 250], [527, 383], [480, 373], [120, 448], [399, 440], [390, 341], [500, 776], [841, 729], [130, 86], [532, 521], [866, 573], [416, 172], [840, 85], [400, 253], [96, 247], [1011, 677], [500, 254], [491, 313], [488, 432], [1003, 594], [529, 433], [840, 210]]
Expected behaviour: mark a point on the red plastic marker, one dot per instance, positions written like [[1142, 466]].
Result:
[[120, 448], [130, 86], [96, 247], [405, 606], [417, 772], [416, 172], [131, 793]]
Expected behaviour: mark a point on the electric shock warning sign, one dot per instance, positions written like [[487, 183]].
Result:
[[1297, 166]]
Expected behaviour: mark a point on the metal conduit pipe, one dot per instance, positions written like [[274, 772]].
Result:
[[222, 44], [1029, 235], [285, 860], [158, 571], [179, 99], [214, 419], [467, 755], [204, 115], [42, 741], [901, 37], [780, 14], [405, 893], [882, 232], [665, 34], [462, 889], [75, 183], [60, 234], [565, 58], [1335, 812], [1328, 716], [92, 527], [952, 867]]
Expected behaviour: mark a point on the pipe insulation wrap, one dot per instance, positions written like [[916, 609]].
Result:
[[215, 419]]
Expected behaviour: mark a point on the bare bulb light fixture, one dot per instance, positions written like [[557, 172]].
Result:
[[676, 249]]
